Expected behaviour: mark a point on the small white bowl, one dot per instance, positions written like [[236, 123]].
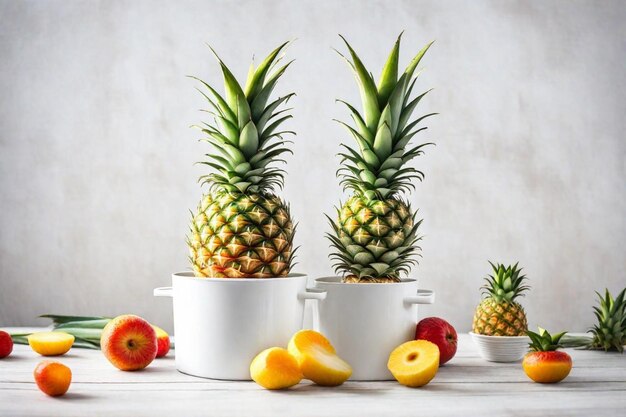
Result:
[[501, 348]]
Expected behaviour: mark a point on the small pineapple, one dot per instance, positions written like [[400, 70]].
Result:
[[241, 228], [610, 331], [375, 234], [499, 314]]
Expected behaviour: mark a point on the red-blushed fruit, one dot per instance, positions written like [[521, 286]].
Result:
[[6, 344], [547, 367], [439, 332], [129, 342], [163, 341], [53, 378]]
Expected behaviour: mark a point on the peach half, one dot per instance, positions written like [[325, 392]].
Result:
[[275, 368], [51, 343], [317, 359]]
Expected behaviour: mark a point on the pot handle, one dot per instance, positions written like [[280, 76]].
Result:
[[313, 294], [422, 297], [162, 292]]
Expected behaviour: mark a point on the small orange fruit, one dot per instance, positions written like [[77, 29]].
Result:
[[53, 378], [163, 341], [51, 343], [547, 367], [317, 358], [414, 363], [544, 363], [275, 368]]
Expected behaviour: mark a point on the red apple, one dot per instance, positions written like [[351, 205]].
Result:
[[439, 332], [129, 342], [6, 344]]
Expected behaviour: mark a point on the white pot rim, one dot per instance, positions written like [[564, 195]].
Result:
[[190, 276], [336, 280], [494, 338]]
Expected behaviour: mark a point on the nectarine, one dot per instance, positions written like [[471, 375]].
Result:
[[53, 378]]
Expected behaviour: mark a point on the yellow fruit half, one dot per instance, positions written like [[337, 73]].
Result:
[[317, 358], [414, 363], [51, 343], [275, 368]]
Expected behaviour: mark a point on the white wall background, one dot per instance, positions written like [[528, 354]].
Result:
[[96, 174]]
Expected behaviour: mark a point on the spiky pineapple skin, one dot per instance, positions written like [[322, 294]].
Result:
[[503, 318], [234, 235], [374, 229]]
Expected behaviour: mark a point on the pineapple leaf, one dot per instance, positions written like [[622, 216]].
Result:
[[222, 104], [260, 100], [382, 142], [410, 69], [369, 94], [389, 76], [256, 82], [360, 123]]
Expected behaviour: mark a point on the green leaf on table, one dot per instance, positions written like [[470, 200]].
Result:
[[83, 324], [60, 319]]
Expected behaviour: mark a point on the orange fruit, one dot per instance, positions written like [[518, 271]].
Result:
[[547, 367], [53, 378]]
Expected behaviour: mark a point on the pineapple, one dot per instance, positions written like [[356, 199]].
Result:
[[375, 234], [499, 314], [610, 331], [241, 229]]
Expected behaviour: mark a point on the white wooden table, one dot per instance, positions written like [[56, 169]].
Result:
[[466, 386]]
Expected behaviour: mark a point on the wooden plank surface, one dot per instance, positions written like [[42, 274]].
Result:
[[466, 386]]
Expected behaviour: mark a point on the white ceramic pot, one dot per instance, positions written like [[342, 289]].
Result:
[[501, 348], [366, 322], [221, 324]]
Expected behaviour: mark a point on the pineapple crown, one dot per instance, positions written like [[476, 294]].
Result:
[[505, 284], [610, 331], [375, 170], [244, 130], [544, 341]]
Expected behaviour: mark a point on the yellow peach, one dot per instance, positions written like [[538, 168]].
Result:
[[317, 358], [275, 368], [51, 343]]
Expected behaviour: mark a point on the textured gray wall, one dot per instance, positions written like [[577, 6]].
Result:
[[96, 174]]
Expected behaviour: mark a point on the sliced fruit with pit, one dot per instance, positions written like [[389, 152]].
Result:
[[50, 343], [414, 363], [317, 358]]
